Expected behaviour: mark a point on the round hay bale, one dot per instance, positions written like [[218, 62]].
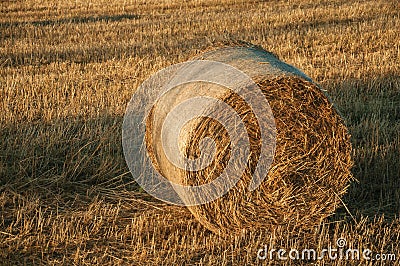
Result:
[[311, 161]]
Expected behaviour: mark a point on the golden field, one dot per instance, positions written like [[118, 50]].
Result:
[[68, 70]]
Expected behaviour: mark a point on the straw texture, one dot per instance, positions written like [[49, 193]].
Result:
[[312, 161]]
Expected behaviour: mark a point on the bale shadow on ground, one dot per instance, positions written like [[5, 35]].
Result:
[[371, 109]]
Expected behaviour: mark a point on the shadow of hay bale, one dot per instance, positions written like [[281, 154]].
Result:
[[371, 108]]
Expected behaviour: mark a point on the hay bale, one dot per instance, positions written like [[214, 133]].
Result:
[[312, 156]]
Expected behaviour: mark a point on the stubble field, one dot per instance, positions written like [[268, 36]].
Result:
[[68, 70]]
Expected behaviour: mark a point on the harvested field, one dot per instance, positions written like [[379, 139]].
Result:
[[68, 70]]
